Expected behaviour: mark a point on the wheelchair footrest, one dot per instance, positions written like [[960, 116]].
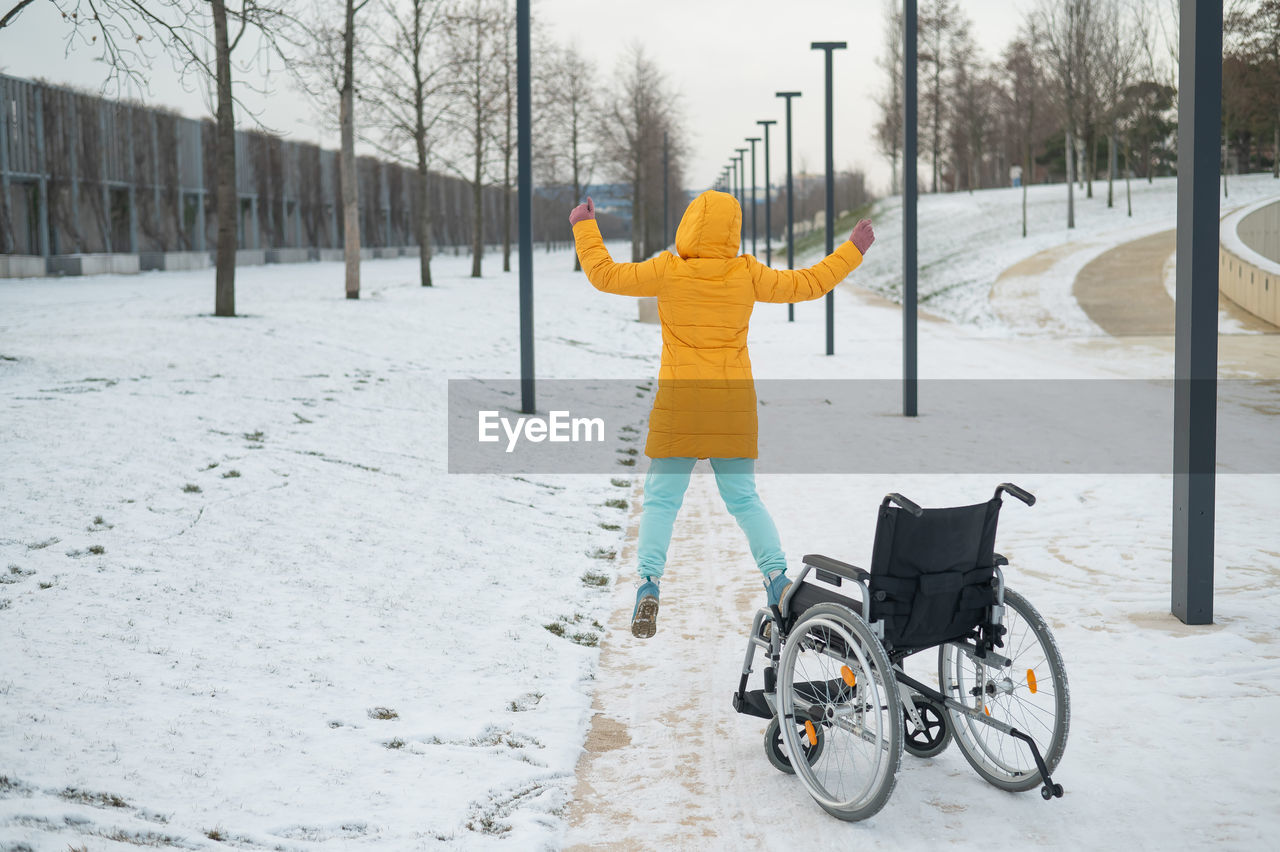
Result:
[[752, 703]]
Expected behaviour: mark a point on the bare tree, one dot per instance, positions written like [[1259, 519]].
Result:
[[568, 102], [642, 110], [937, 24], [1022, 92], [407, 102], [325, 68], [1065, 28], [888, 131], [1119, 30], [473, 29], [129, 34]]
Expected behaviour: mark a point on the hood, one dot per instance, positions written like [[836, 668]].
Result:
[[710, 227]]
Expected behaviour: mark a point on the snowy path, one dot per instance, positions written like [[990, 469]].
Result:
[[669, 765]]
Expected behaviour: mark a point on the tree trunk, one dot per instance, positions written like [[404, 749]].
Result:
[[350, 188], [1111, 168], [577, 191], [506, 179], [1275, 148], [225, 200], [506, 214], [477, 204], [1071, 178], [1128, 170], [424, 218]]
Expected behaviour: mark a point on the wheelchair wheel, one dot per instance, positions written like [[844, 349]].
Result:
[[777, 754], [835, 677], [934, 738], [1031, 695]]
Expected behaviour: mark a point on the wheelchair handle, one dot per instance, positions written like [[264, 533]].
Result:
[[1023, 495], [909, 505]]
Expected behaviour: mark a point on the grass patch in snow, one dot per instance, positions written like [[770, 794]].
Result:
[[603, 553], [396, 743], [586, 638], [256, 436], [620, 483], [191, 488], [97, 549], [215, 833], [383, 713], [616, 503], [610, 527], [818, 238], [211, 465], [231, 474], [595, 578], [525, 702], [41, 545], [98, 800]]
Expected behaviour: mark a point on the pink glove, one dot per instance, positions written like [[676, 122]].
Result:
[[862, 235], [583, 211]]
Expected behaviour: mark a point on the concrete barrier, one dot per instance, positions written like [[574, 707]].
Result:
[[1249, 259], [34, 266], [94, 264], [174, 260], [287, 255], [22, 266]]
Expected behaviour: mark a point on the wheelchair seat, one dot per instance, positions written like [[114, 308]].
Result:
[[931, 573]]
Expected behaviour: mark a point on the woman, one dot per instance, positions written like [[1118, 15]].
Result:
[[706, 403]]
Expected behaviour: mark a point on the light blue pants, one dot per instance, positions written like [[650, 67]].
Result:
[[664, 488]]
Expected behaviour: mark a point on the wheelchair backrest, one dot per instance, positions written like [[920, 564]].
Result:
[[931, 575]]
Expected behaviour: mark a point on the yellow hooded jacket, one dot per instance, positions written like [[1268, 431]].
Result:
[[706, 401]]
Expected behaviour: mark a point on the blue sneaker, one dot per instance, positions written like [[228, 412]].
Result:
[[776, 587], [644, 620]]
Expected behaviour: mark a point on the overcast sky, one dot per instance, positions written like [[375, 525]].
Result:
[[726, 58]]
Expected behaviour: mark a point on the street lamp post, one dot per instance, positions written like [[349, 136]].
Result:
[[524, 179], [742, 192], [791, 202], [768, 197], [753, 140], [910, 197], [827, 47]]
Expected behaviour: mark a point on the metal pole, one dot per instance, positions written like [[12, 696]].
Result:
[[791, 201], [910, 200], [742, 194], [1195, 358], [768, 198], [827, 47], [524, 179], [753, 140]]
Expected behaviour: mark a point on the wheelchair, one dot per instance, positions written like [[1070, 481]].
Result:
[[841, 707]]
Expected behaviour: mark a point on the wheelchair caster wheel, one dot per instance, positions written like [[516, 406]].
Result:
[[777, 754], [936, 735], [1047, 792]]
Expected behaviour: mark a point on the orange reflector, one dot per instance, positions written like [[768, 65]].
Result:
[[847, 674], [1031, 681], [811, 733], [986, 709]]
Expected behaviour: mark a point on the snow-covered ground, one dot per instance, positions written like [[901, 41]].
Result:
[[226, 544], [967, 240]]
